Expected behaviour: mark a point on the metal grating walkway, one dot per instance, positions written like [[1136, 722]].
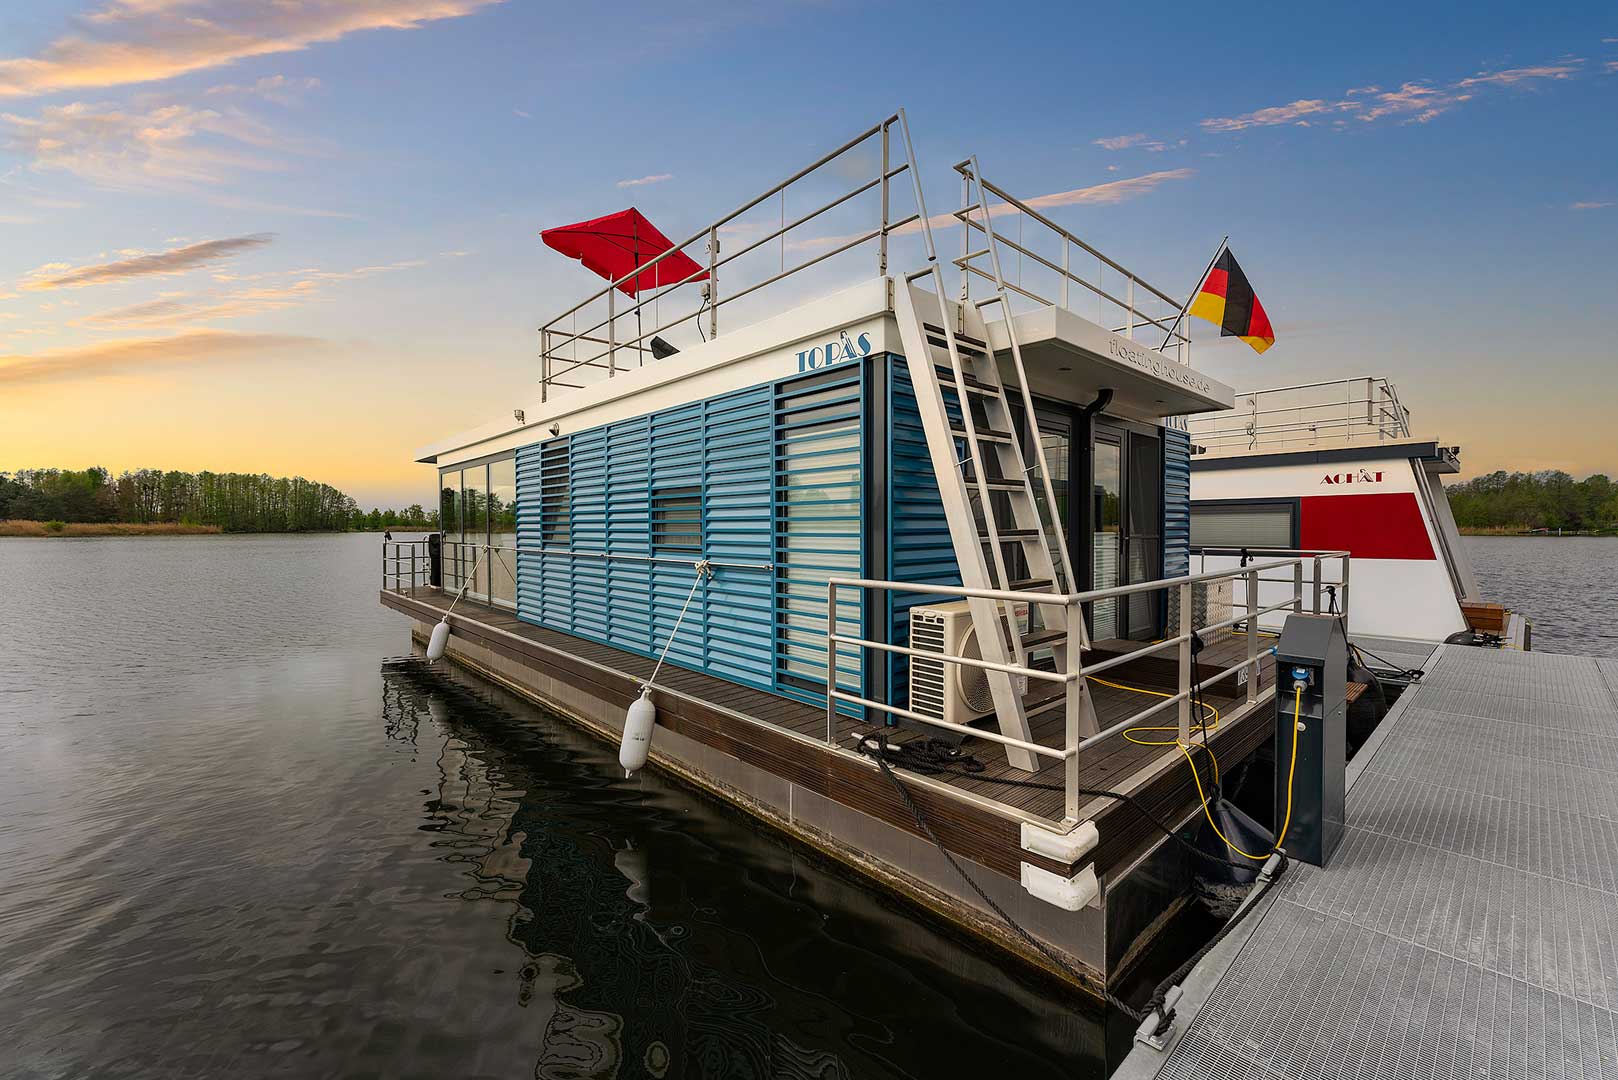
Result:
[[1468, 924]]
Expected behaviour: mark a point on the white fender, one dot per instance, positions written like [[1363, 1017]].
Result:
[[439, 641], [638, 724]]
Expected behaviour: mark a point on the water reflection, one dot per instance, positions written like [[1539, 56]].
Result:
[[650, 947]]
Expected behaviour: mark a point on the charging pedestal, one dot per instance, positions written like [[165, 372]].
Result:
[[1313, 653]]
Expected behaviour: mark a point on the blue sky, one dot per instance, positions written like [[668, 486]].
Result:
[[304, 239]]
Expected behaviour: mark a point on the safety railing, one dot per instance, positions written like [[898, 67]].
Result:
[[1328, 595], [1339, 412], [1075, 673], [591, 340], [1047, 266], [406, 565]]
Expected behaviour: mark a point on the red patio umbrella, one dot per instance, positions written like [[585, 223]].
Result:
[[617, 245]]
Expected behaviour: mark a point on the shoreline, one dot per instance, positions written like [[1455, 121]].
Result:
[[41, 530], [1564, 534]]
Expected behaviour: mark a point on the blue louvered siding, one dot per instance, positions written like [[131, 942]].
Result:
[[919, 545], [1176, 503], [819, 525], [596, 489]]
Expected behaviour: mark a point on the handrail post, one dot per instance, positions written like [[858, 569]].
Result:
[[412, 569], [1130, 295], [1067, 268], [612, 332], [1076, 690], [1316, 608], [544, 364], [831, 664], [1297, 587], [1343, 594], [713, 281], [882, 244], [1252, 635], [1184, 631]]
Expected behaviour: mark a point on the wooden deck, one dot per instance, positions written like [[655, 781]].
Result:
[[737, 720]]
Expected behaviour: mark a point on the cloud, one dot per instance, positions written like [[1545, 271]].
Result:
[[171, 146], [1414, 102], [136, 41], [1516, 76], [1590, 205], [525, 116], [174, 261], [655, 178], [1611, 67], [1276, 114], [1114, 191], [1122, 142], [276, 88], [182, 310], [141, 354]]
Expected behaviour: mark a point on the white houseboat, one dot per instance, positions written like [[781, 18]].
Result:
[[1337, 466]]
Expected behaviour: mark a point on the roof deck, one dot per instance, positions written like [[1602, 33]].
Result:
[[816, 256], [1338, 414]]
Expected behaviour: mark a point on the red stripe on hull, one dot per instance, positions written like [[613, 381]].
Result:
[[1380, 526]]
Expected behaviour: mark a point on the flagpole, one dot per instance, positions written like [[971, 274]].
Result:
[[1220, 250]]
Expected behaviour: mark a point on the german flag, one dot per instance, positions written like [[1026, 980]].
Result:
[[1226, 300]]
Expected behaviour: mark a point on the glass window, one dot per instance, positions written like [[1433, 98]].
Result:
[[503, 530], [474, 525], [1105, 555]]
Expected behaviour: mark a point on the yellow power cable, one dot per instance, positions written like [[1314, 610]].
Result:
[[1292, 770], [1203, 727]]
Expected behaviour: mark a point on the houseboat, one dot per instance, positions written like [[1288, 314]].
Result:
[[1336, 465], [896, 541]]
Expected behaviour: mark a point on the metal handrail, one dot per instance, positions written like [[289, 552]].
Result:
[[1074, 679], [712, 263], [1364, 407], [971, 174]]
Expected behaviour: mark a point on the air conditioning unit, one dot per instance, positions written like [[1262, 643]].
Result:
[[954, 693]]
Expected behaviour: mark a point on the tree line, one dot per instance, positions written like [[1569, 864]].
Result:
[[1540, 500], [234, 502]]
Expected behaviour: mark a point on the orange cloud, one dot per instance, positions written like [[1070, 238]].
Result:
[[174, 261], [136, 41], [141, 354]]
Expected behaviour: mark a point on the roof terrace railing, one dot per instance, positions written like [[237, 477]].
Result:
[[1338, 412], [1049, 266], [591, 341]]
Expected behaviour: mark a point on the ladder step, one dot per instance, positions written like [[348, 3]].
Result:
[[960, 347], [984, 434], [1032, 584], [1043, 636], [939, 332], [1014, 534], [973, 384], [1001, 485]]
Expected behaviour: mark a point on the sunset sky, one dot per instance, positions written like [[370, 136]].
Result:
[[302, 238]]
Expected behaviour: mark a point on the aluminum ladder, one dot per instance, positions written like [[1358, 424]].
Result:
[[947, 346]]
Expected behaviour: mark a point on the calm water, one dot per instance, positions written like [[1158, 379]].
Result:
[[231, 845], [1568, 586]]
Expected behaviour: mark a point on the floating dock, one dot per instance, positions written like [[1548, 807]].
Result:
[[1468, 924]]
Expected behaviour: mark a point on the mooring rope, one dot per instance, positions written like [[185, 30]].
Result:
[[704, 571]]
